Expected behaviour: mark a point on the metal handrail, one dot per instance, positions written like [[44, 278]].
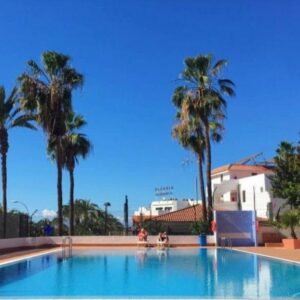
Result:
[[224, 240], [66, 243]]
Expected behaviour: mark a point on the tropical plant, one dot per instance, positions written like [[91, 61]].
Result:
[[47, 91], [286, 178], [74, 145], [189, 132], [205, 90], [10, 117], [290, 219], [38, 228], [90, 219], [200, 227], [154, 227]]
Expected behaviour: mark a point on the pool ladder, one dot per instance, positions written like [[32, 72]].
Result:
[[66, 247], [224, 241]]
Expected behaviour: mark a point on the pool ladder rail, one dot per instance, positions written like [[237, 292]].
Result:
[[225, 240], [66, 247]]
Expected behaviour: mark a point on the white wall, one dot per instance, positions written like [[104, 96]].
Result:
[[257, 197], [174, 204], [257, 190]]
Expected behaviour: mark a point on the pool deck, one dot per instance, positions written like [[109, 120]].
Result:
[[292, 255]]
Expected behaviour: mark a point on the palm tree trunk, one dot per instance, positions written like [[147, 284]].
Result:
[[208, 173], [59, 187], [71, 210], [4, 187], [4, 149], [293, 233], [202, 188]]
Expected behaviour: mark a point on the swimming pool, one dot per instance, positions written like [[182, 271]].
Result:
[[192, 273]]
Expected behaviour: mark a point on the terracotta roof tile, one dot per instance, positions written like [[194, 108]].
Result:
[[189, 214], [239, 167]]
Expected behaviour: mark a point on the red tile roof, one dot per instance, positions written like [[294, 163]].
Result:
[[239, 167], [189, 214]]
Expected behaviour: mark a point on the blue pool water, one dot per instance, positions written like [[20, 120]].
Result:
[[195, 273]]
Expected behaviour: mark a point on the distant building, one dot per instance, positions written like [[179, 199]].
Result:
[[180, 221], [161, 207], [245, 187]]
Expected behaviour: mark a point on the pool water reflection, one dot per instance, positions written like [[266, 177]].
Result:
[[202, 273]]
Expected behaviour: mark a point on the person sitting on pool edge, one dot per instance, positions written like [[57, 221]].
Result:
[[142, 235], [162, 239], [165, 237]]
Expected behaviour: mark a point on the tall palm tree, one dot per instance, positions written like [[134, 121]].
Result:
[[74, 145], [202, 81], [189, 132], [47, 91], [10, 117]]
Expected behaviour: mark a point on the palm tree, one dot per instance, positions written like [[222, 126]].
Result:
[[47, 91], [74, 145], [84, 211], [89, 218], [189, 132], [206, 89], [10, 117]]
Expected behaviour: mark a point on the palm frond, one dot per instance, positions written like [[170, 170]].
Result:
[[2, 94], [23, 121], [72, 78], [218, 66], [54, 62], [179, 95]]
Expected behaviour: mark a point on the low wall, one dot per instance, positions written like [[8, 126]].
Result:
[[30, 242]]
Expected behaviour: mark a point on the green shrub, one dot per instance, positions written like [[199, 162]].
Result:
[[200, 227]]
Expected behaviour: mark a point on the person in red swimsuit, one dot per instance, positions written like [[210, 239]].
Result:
[[142, 235]]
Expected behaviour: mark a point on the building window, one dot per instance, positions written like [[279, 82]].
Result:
[[221, 177], [158, 208], [168, 208], [253, 174], [244, 196], [234, 177], [261, 189]]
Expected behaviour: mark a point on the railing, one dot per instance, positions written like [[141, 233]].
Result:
[[224, 241], [66, 247]]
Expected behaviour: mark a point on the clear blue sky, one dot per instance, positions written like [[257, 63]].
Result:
[[131, 53]]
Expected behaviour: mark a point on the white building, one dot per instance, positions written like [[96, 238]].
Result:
[[245, 187], [159, 207]]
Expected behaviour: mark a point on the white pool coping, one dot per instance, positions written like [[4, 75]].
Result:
[[27, 256]]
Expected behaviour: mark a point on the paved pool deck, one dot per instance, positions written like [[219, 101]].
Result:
[[279, 253]]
